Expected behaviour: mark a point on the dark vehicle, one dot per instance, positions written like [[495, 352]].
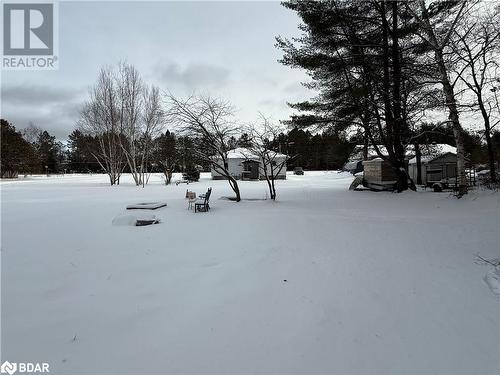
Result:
[[298, 171]]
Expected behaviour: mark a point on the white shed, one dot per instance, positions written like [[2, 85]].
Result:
[[244, 165]]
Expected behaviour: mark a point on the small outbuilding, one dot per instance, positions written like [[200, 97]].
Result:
[[378, 174], [244, 165], [438, 166], [356, 160]]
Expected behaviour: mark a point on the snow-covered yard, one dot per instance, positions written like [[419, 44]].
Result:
[[324, 280]]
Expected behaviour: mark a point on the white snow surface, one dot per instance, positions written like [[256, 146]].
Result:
[[376, 283]]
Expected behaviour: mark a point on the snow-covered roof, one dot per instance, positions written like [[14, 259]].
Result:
[[275, 154], [357, 153], [245, 153], [241, 153], [431, 152], [428, 152]]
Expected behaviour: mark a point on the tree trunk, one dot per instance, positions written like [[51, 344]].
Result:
[[365, 146], [418, 156], [487, 135], [454, 118], [402, 182], [491, 155], [392, 106], [168, 176], [273, 190], [234, 185], [269, 187], [399, 126], [269, 179], [237, 192], [451, 102]]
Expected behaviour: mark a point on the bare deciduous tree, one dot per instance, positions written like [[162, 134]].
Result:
[[477, 49], [438, 22], [31, 133], [272, 162], [101, 118], [152, 121], [125, 115], [130, 93], [210, 121]]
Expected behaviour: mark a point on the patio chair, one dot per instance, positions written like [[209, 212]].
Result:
[[202, 204], [191, 196]]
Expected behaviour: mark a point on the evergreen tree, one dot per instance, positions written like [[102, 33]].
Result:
[[50, 153], [17, 155], [363, 62], [80, 148], [167, 154]]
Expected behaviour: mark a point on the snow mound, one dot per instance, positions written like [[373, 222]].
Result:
[[128, 219], [492, 279]]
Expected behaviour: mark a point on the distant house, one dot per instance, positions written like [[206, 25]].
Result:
[[438, 165], [244, 165]]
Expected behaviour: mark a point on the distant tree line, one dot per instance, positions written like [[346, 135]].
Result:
[[35, 151], [31, 151], [321, 151]]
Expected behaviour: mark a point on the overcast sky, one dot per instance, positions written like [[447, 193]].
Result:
[[222, 48]]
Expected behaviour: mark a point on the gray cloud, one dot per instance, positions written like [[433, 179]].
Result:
[[50, 108], [175, 45], [37, 94], [192, 76], [56, 125]]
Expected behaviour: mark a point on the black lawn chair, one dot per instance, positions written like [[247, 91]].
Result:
[[203, 203]]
